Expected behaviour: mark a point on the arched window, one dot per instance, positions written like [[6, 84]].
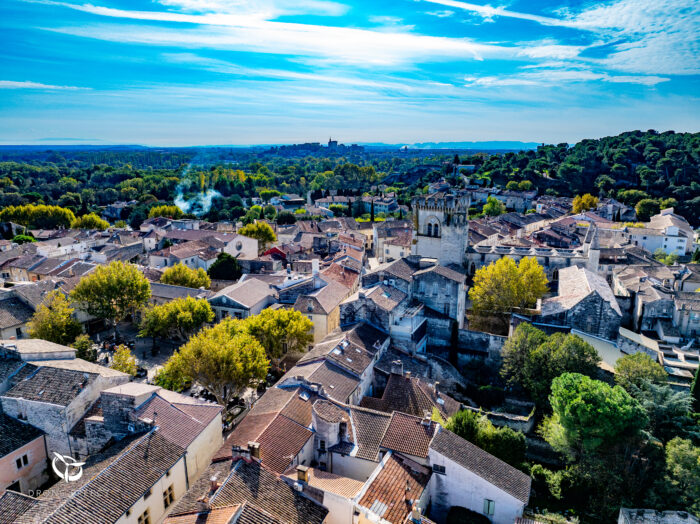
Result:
[[436, 230], [430, 230]]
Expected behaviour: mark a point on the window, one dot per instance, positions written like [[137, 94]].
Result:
[[322, 445], [168, 496], [145, 517], [489, 507], [437, 468], [436, 230], [22, 461], [147, 494], [430, 230]]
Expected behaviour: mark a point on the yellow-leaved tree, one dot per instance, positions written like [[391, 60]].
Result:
[[504, 286]]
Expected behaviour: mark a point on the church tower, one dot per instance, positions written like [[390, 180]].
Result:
[[441, 227]]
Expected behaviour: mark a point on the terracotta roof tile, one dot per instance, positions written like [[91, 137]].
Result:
[[408, 434], [214, 516], [255, 485], [369, 428], [391, 494], [281, 441]]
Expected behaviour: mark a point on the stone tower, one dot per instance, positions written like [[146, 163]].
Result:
[[441, 227]]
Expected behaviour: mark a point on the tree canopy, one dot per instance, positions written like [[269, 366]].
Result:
[[261, 231], [181, 317], [585, 202], [280, 331], [504, 286], [225, 267], [533, 360], [124, 361], [111, 292], [38, 216], [589, 414], [89, 221], [633, 370], [166, 211], [53, 320], [181, 275], [225, 359]]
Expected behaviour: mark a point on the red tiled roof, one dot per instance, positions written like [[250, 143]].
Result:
[[281, 441], [393, 491], [408, 434]]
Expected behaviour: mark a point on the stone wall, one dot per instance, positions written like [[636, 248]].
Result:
[[479, 342], [595, 316]]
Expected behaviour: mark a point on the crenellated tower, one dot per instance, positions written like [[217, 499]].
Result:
[[441, 227]]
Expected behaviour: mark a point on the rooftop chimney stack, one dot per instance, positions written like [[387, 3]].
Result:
[[397, 367], [408, 374], [416, 517], [302, 473], [254, 450]]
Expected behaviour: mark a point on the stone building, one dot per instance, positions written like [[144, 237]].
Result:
[[585, 302], [441, 224], [53, 396]]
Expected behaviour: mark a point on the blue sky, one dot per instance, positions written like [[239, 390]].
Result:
[[198, 72]]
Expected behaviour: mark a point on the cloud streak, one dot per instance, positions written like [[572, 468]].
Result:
[[11, 84]]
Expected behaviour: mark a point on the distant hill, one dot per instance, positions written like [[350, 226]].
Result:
[[478, 146]]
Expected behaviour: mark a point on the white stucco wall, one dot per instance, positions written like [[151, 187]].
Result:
[[460, 487]]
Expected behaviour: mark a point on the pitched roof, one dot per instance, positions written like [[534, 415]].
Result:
[[368, 430], [248, 430], [411, 396], [337, 383], [52, 385], [14, 312], [180, 424], [254, 484], [221, 515], [247, 293], [408, 434], [575, 284], [281, 441], [115, 481], [386, 297], [13, 505], [15, 434], [492, 469], [325, 481], [392, 493]]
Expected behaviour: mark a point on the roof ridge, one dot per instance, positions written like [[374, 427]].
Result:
[[121, 455]]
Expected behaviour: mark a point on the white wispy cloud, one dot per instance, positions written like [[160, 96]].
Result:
[[11, 84], [267, 8], [554, 77], [387, 47], [644, 36], [445, 13]]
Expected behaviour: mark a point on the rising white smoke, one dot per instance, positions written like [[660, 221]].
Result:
[[198, 204]]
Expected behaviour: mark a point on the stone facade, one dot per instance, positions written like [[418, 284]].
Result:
[[592, 315], [441, 224]]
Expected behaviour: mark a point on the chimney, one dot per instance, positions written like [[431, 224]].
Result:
[[397, 367], [408, 374], [416, 517], [254, 450], [302, 473], [214, 485], [427, 418], [437, 387]]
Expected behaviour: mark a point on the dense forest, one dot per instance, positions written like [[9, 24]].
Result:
[[630, 167]]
